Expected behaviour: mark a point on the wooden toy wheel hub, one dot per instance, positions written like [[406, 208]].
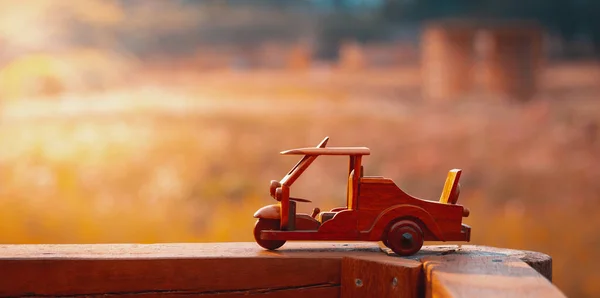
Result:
[[405, 238]]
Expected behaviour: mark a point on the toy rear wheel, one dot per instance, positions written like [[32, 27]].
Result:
[[405, 238], [385, 242], [265, 224]]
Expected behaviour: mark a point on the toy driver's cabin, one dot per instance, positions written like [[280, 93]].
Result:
[[376, 209]]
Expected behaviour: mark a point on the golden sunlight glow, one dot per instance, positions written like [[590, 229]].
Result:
[[118, 123]]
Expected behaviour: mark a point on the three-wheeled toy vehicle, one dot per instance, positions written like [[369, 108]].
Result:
[[376, 210]]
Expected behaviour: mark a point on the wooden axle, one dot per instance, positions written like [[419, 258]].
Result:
[[300, 235]]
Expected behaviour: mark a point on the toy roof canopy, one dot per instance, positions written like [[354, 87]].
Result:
[[328, 151]]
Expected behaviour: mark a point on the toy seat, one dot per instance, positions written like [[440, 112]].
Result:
[[325, 216], [451, 187]]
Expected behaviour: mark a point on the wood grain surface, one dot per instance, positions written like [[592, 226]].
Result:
[[298, 269], [541, 262], [381, 276], [483, 276]]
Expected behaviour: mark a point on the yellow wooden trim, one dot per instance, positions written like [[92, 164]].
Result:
[[450, 185]]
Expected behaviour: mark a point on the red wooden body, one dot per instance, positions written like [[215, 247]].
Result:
[[380, 203]]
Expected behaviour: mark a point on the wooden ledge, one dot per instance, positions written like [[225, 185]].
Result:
[[299, 269]]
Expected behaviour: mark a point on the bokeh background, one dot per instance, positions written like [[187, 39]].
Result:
[[162, 121]]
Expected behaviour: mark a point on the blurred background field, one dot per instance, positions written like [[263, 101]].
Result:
[[156, 121]]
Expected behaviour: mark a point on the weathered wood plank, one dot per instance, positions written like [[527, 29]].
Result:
[[50, 270], [299, 269], [483, 276], [300, 292], [541, 262], [381, 276], [78, 277], [180, 250]]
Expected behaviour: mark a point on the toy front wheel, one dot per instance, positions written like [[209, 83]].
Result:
[[405, 238], [265, 224]]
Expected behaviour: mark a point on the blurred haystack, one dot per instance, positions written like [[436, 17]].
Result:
[[35, 75], [49, 74]]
